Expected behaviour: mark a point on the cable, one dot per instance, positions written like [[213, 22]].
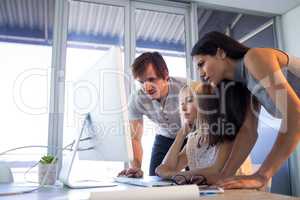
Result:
[[48, 170], [23, 147], [27, 171], [65, 148], [33, 166], [44, 146], [36, 188]]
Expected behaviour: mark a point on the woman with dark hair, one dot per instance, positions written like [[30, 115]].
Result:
[[272, 76]]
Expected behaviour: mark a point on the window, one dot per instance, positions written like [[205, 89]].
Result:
[[164, 32], [25, 81], [26, 31], [93, 29]]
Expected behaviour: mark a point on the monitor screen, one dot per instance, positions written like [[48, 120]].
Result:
[[102, 96]]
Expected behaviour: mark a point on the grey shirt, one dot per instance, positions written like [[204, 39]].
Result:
[[167, 116], [243, 75]]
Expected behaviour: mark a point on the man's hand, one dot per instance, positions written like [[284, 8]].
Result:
[[132, 173], [254, 181]]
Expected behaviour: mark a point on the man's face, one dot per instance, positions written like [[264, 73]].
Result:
[[154, 86]]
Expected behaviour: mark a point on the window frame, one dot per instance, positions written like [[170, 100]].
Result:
[[60, 31]]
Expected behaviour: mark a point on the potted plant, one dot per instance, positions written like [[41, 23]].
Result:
[[47, 170]]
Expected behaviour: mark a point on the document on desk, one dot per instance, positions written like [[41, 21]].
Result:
[[186, 192]]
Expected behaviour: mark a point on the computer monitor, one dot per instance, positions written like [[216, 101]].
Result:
[[104, 134]]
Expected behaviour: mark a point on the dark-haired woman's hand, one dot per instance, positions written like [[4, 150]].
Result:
[[254, 181]]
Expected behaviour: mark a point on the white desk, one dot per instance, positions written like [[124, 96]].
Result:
[[62, 193]]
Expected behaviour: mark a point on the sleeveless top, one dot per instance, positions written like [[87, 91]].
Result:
[[291, 72], [200, 156]]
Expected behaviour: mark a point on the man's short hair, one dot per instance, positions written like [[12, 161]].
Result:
[[140, 64]]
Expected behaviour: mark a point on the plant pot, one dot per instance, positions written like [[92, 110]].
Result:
[[49, 170]]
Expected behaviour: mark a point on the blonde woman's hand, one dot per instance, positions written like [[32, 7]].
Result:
[[182, 179], [186, 178], [185, 129]]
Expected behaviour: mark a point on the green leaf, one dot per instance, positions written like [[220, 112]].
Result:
[[48, 159]]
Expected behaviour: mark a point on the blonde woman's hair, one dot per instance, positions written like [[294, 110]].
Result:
[[222, 109], [200, 91], [196, 89]]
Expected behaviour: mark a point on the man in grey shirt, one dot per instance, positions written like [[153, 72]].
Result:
[[157, 99]]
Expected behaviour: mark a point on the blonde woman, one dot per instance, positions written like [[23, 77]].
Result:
[[209, 142]]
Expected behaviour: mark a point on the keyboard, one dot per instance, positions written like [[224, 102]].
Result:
[[150, 181]]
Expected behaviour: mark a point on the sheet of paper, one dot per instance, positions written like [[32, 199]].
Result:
[[186, 192]]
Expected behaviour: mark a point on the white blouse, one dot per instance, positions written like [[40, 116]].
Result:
[[199, 155]]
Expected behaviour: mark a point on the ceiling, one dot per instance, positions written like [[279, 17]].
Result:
[[91, 24], [31, 21]]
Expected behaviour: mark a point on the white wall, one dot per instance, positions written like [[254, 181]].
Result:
[[291, 43], [265, 6], [291, 31]]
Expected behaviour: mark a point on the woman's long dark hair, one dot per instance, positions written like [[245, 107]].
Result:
[[236, 96], [210, 42]]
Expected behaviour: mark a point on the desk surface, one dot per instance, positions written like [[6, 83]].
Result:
[[62, 193]]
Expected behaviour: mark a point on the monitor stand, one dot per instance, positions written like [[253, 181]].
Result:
[[67, 164]]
